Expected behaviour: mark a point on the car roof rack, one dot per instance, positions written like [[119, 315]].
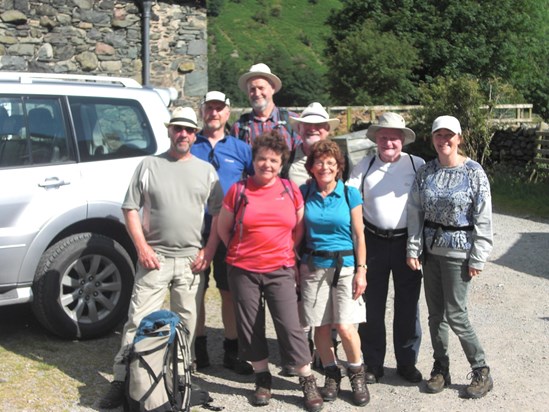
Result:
[[24, 77]]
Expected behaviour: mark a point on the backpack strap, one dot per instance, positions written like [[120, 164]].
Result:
[[285, 172], [366, 173]]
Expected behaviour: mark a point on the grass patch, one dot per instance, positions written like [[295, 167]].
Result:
[[513, 194]]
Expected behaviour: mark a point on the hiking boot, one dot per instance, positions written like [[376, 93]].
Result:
[[361, 395], [372, 374], [263, 385], [289, 370], [311, 395], [231, 360], [332, 383], [440, 378], [201, 353], [114, 397], [410, 373], [481, 383]]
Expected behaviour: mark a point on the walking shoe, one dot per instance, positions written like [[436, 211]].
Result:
[[481, 383], [410, 373], [361, 395], [440, 378], [231, 360], [114, 397], [332, 382], [263, 385], [372, 374], [201, 353], [313, 400]]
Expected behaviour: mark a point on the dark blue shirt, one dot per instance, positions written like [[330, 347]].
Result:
[[230, 157]]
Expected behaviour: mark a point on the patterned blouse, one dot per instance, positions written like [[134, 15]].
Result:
[[450, 212]]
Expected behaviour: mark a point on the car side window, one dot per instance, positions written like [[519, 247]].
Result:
[[110, 128], [32, 132]]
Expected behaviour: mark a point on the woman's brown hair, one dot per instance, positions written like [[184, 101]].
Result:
[[326, 148]]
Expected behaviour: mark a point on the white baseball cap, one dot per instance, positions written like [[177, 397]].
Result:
[[216, 96], [446, 122]]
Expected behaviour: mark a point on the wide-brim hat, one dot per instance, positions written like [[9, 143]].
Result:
[[313, 114], [259, 70], [391, 120], [216, 97], [446, 122], [183, 116]]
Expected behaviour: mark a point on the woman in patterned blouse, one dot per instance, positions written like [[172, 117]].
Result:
[[450, 228]]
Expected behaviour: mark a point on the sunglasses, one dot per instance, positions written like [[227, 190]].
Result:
[[189, 130]]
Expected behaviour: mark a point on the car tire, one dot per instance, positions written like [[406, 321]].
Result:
[[82, 286]]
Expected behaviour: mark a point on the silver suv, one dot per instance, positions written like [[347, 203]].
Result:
[[68, 147]]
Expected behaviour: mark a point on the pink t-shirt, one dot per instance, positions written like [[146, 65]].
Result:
[[263, 242]]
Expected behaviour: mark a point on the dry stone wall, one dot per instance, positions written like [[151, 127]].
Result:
[[105, 37], [515, 145]]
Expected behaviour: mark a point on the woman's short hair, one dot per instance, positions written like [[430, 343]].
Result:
[[326, 148], [274, 141]]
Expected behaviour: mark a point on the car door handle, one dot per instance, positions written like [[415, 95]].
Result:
[[53, 182]]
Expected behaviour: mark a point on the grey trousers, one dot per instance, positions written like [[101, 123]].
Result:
[[447, 283]]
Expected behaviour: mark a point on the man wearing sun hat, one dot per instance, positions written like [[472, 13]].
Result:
[[164, 214], [232, 160], [384, 180], [313, 125], [260, 85]]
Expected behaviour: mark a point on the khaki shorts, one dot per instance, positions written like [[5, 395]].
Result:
[[321, 304]]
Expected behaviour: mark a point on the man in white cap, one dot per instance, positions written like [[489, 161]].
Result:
[[170, 190], [385, 180], [313, 125], [260, 85], [232, 160]]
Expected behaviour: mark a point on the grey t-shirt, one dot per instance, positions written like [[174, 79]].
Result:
[[173, 195]]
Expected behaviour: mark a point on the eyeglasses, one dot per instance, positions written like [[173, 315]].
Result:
[[328, 163], [189, 130], [213, 159]]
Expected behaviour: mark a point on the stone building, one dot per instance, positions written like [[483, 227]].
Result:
[[105, 37]]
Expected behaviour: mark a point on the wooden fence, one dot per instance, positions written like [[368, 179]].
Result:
[[349, 115]]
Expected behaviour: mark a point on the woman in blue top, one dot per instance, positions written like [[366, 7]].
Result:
[[331, 280]]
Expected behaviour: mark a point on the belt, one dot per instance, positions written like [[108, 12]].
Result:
[[332, 255], [435, 225], [385, 233]]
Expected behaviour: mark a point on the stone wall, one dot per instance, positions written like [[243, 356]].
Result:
[[515, 145], [104, 37]]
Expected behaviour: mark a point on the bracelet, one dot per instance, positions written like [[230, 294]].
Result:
[[362, 266]]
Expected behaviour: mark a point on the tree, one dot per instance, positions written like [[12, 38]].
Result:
[[464, 97], [492, 38], [369, 67]]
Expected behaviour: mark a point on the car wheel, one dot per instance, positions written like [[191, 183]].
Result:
[[82, 286]]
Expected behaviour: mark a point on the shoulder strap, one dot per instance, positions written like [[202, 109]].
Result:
[[366, 173], [244, 127], [285, 172], [288, 188], [413, 164]]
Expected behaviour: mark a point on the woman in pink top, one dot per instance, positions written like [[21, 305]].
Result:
[[260, 222]]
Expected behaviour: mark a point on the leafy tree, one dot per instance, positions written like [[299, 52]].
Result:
[[369, 67], [492, 38], [465, 98]]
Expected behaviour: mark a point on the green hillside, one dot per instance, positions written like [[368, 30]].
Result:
[[285, 34]]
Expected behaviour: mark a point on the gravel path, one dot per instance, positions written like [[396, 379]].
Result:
[[509, 308]]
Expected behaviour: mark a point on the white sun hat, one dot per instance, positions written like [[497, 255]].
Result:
[[259, 70], [390, 120], [314, 113]]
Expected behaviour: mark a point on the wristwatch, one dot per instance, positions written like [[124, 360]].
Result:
[[362, 266]]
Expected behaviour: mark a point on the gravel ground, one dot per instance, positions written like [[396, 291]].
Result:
[[509, 308]]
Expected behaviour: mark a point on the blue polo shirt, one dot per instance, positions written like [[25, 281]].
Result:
[[230, 157], [328, 222]]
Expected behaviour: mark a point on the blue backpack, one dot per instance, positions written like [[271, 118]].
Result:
[[159, 365]]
